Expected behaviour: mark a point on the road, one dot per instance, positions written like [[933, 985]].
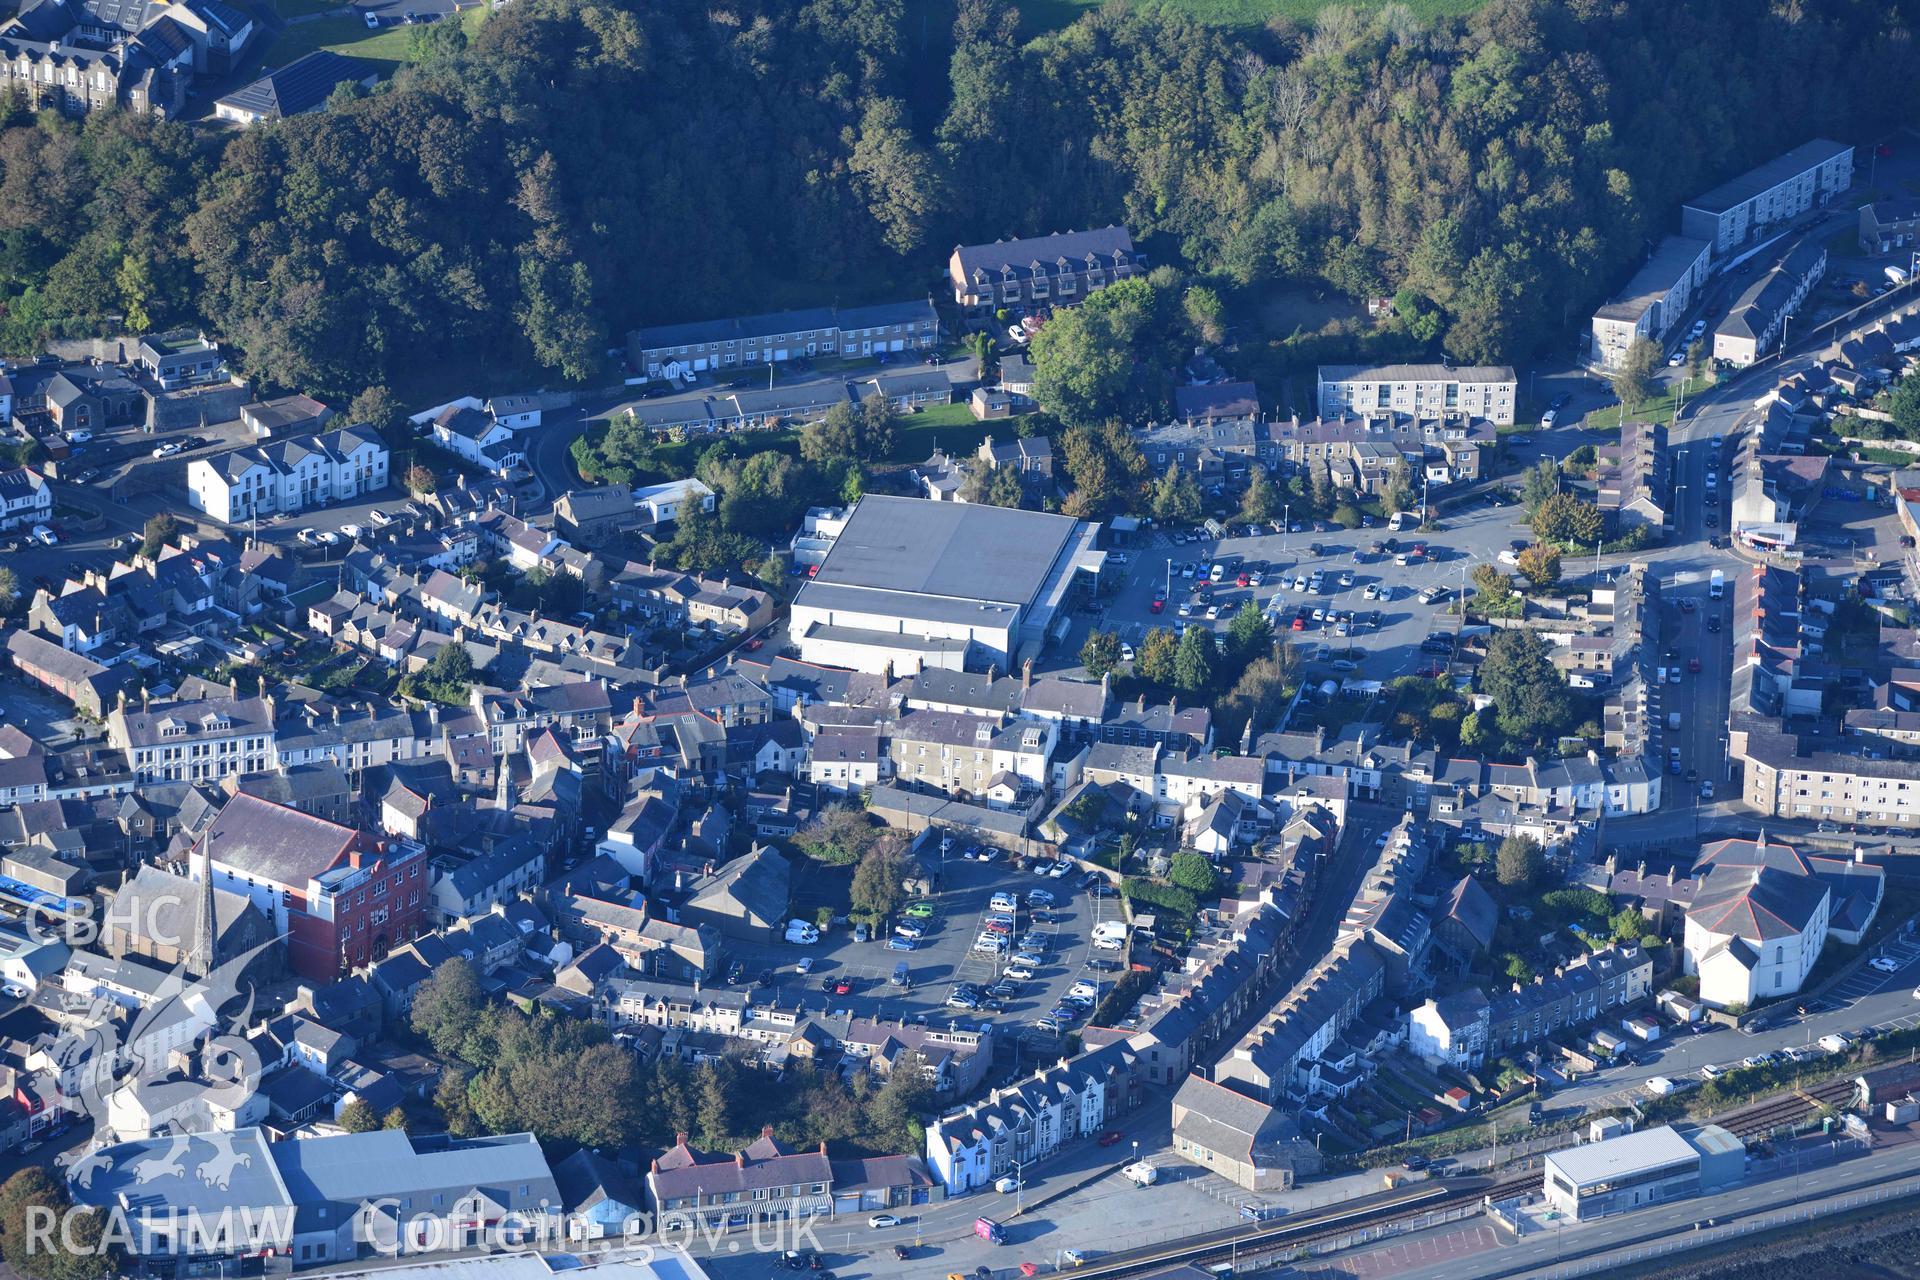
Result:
[[1538, 1254]]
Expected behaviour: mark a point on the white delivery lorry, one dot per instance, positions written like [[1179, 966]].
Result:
[[1717, 584]]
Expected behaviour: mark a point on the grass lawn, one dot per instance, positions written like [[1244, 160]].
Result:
[[1050, 15], [389, 46], [951, 427]]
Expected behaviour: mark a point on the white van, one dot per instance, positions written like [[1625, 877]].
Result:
[[1109, 929], [1834, 1043], [802, 933]]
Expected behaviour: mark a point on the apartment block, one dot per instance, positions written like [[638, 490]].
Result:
[[1056, 270], [1420, 391], [677, 350], [1653, 301], [1753, 204]]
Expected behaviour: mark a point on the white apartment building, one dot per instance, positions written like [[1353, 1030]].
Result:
[[1653, 300], [1761, 199], [199, 741], [1419, 390], [287, 476]]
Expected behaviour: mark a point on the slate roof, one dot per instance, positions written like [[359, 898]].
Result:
[[1018, 256], [1218, 1118], [302, 85], [272, 843]]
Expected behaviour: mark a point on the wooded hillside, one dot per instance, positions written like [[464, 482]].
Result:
[[587, 165]]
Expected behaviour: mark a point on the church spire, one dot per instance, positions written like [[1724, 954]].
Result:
[[200, 962]]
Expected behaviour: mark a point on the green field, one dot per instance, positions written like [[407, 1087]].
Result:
[[388, 48], [1050, 15]]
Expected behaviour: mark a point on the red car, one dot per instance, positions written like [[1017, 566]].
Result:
[[1243, 580], [1110, 1137], [1693, 665], [844, 987], [1157, 606], [1299, 623], [754, 643]]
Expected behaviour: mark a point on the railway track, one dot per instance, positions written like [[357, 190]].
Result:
[[1244, 1243], [1764, 1117]]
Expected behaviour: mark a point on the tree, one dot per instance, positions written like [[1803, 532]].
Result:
[[1154, 661], [1494, 587], [1397, 494], [720, 1100], [9, 589], [1529, 694], [1541, 483], [1259, 695], [1519, 862], [986, 352], [159, 533], [446, 678], [1480, 732], [74, 1248], [897, 1105], [1696, 359], [1193, 872], [1569, 521], [358, 1117], [1903, 405], [1541, 564], [448, 1006], [1633, 380], [879, 881], [1206, 314], [901, 182], [1260, 503], [835, 435], [994, 486], [1320, 490], [1627, 925], [1193, 661], [396, 1119], [378, 408], [420, 480], [839, 835], [1176, 497], [1101, 653], [1249, 635], [877, 422]]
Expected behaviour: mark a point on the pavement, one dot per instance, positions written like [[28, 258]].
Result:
[[1811, 1187]]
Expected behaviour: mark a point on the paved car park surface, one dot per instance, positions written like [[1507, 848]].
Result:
[[947, 955], [1475, 534]]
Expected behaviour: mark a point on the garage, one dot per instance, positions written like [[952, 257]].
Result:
[[897, 344]]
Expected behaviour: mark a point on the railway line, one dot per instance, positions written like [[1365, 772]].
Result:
[[1246, 1243], [1788, 1109]]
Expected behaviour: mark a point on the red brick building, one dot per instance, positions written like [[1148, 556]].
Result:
[[341, 897]]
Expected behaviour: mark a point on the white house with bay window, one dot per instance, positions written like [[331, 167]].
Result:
[[288, 475]]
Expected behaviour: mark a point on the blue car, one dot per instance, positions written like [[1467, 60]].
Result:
[[900, 944]]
